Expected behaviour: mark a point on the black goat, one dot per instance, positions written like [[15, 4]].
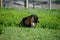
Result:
[[29, 21]]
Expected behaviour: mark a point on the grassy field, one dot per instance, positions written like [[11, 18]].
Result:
[[47, 29]]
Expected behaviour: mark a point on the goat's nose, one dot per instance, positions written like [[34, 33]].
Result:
[[38, 21]]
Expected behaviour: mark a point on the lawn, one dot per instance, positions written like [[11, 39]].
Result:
[[47, 29]]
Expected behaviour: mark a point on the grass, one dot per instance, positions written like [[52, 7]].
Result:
[[16, 33], [47, 29]]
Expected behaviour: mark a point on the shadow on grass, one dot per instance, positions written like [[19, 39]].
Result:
[[0, 31], [24, 26]]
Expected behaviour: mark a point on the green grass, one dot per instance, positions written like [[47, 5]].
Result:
[[47, 18], [17, 33], [47, 29]]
